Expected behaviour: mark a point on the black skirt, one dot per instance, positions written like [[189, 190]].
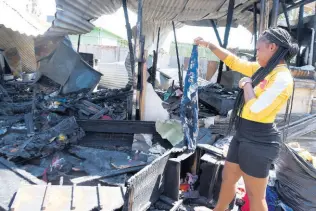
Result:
[[254, 147]]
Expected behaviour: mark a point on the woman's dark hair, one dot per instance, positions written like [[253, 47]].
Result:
[[287, 49]]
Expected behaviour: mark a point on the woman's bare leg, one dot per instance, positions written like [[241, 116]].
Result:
[[256, 190], [231, 175]]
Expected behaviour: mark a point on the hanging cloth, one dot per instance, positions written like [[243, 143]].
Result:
[[189, 109]]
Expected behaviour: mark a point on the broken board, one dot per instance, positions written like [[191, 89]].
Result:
[[52, 198]]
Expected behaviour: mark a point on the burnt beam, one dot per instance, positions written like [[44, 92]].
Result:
[[129, 36], [155, 56], [106, 174], [131, 51], [140, 42], [79, 40], [226, 36], [262, 16], [275, 13], [158, 39], [114, 126], [286, 14], [177, 52], [255, 30], [299, 30]]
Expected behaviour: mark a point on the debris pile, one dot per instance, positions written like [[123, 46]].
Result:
[[38, 125], [40, 115], [40, 133], [215, 96], [214, 100]]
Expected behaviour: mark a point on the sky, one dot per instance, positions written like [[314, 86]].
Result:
[[239, 37]]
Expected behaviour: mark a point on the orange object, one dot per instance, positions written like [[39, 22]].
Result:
[[184, 187]]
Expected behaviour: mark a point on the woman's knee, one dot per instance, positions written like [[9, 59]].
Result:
[[231, 173], [256, 197]]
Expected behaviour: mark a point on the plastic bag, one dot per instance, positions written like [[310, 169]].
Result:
[[296, 181]]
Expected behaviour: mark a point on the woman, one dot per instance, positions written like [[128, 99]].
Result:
[[265, 90]]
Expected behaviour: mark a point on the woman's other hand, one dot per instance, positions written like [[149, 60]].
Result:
[[244, 81]]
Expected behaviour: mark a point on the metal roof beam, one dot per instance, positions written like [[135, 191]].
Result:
[[226, 36], [214, 25]]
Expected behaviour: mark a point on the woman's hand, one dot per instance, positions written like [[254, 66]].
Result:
[[201, 42], [220, 52], [244, 81]]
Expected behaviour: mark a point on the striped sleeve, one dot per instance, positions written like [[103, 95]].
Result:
[[244, 67], [275, 95]]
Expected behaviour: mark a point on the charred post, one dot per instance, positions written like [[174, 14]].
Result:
[[286, 14], [155, 56], [131, 50], [275, 13], [262, 16], [178, 60], [299, 30], [255, 30], [79, 40]]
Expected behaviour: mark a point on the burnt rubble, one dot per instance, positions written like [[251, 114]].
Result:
[[40, 134], [214, 99], [218, 98]]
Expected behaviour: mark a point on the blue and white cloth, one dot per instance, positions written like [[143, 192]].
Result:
[[189, 109]]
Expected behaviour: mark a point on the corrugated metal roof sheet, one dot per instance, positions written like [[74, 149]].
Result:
[[73, 17], [115, 75], [24, 45], [190, 10]]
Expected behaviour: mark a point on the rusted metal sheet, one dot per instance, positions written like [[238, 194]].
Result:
[[23, 44]]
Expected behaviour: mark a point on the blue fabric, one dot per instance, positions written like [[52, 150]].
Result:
[[273, 200], [189, 104]]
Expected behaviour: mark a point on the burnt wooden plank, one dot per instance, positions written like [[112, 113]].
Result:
[[116, 126], [211, 149], [110, 173], [172, 184]]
